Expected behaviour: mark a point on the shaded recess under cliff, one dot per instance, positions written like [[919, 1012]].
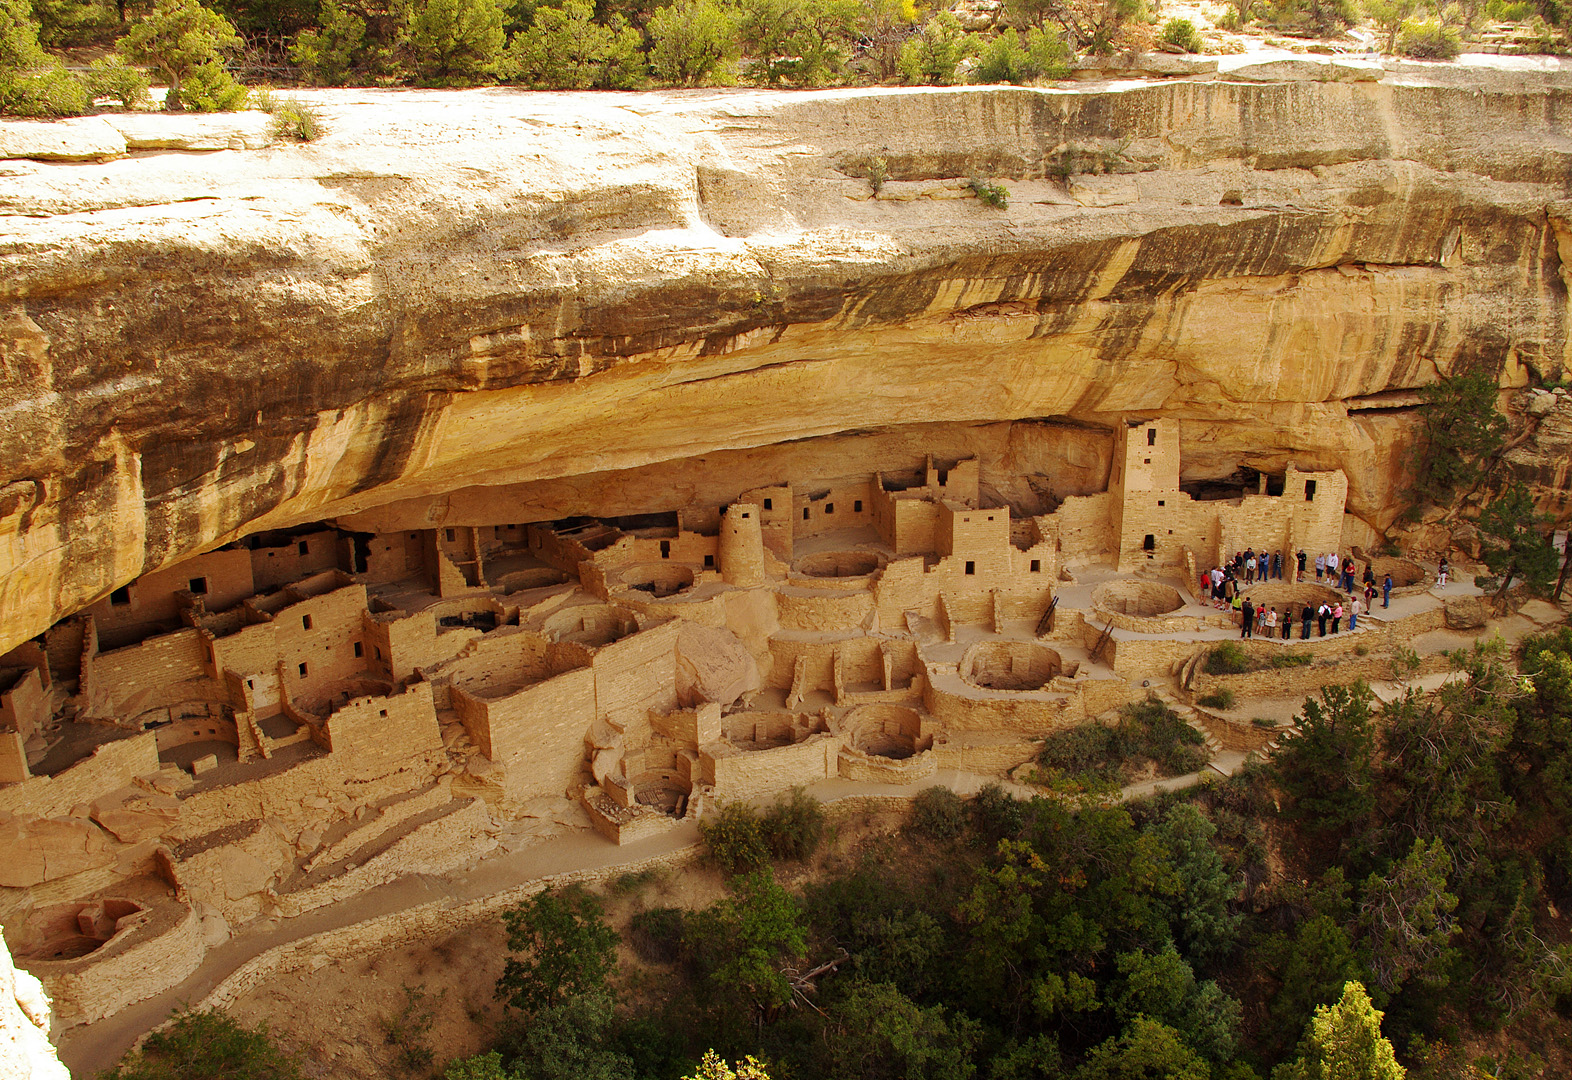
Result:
[[455, 292]]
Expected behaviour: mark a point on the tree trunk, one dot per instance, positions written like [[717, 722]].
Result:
[[1506, 580], [172, 102], [1566, 565]]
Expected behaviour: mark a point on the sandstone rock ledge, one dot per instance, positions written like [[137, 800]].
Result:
[[492, 291]]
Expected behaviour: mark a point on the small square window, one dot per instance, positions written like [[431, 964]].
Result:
[[382, 712], [305, 622], [1162, 502], [360, 650], [451, 535], [251, 684], [1309, 491], [709, 560], [1147, 461], [856, 506], [1151, 436], [971, 567], [1037, 566], [990, 517], [305, 549], [121, 596], [198, 585], [769, 504], [745, 517], [665, 549], [303, 671], [805, 513], [829, 508]]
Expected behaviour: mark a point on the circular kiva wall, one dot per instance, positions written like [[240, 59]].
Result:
[[1280, 594], [67, 931], [887, 731], [658, 579], [1010, 665], [1142, 599], [832, 564]]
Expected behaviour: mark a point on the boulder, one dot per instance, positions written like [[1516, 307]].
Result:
[[1464, 613], [193, 131], [42, 849], [713, 665], [1303, 69], [84, 138]]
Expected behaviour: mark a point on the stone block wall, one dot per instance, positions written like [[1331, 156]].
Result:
[[24, 708], [747, 774], [113, 765], [377, 735], [296, 558]]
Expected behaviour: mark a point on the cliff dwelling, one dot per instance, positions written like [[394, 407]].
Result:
[[295, 716], [382, 507]]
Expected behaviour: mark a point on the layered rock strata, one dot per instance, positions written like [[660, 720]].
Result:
[[456, 292]]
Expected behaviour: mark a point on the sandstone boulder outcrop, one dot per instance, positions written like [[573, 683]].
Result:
[[25, 1052]]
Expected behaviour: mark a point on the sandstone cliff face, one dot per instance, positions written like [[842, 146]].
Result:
[[564, 300]]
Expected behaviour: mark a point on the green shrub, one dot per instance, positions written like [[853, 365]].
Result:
[[1182, 33], [996, 813], [201, 1045], [456, 42], [1155, 731], [1085, 748], [1315, 18], [693, 42], [1292, 659], [53, 93], [1429, 39], [1487, 582], [794, 826], [929, 57], [1361, 650], [1010, 58], [211, 88], [735, 836], [656, 935], [1227, 659], [1263, 721], [32, 82], [118, 81], [996, 195], [296, 121], [1218, 699], [938, 812], [328, 53]]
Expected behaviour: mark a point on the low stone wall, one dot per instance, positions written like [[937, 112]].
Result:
[[856, 765], [1284, 682]]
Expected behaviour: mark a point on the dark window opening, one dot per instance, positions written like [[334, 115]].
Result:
[[709, 560], [856, 506], [829, 508], [769, 504], [251, 684], [745, 517], [944, 477], [1150, 543], [451, 536], [199, 585], [805, 513], [1309, 491], [665, 549], [1151, 436], [971, 567], [1162, 502], [305, 622], [1146, 461], [1037, 566], [382, 712], [360, 650], [378, 650], [303, 670], [304, 548], [121, 596]]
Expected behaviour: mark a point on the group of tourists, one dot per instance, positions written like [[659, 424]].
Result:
[[1226, 585]]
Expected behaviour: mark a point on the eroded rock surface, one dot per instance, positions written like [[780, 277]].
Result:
[[460, 296]]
